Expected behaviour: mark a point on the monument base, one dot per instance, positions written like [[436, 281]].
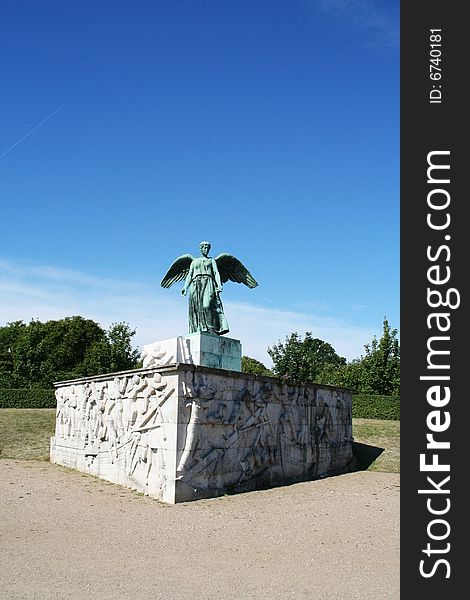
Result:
[[185, 432], [204, 349]]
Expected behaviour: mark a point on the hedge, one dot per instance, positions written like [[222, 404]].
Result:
[[27, 398], [376, 407]]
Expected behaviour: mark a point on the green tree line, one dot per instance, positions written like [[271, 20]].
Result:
[[35, 354], [311, 359]]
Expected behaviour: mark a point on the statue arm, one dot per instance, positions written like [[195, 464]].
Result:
[[218, 280]]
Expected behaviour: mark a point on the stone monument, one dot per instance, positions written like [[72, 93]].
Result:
[[190, 424], [203, 280]]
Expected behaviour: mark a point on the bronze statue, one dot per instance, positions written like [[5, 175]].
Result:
[[203, 278]]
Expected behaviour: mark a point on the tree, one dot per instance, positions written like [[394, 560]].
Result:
[[377, 372], [304, 360], [37, 354], [123, 357], [9, 335], [380, 367], [113, 352], [347, 375], [251, 365]]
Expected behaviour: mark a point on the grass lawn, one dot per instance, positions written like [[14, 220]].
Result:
[[379, 434], [25, 433]]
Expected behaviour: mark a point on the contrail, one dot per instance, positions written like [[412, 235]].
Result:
[[178, 10], [54, 112]]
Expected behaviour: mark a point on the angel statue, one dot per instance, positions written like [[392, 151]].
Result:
[[203, 277]]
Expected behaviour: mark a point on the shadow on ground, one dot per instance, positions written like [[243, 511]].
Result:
[[365, 455]]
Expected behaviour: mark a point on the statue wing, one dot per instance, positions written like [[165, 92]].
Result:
[[178, 270], [233, 269]]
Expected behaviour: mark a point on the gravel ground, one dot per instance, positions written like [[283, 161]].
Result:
[[69, 536]]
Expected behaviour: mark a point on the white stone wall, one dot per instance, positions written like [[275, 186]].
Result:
[[121, 428], [184, 432]]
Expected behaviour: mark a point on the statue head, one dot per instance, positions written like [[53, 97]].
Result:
[[204, 247]]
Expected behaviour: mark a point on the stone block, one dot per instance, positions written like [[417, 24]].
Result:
[[182, 432], [204, 349]]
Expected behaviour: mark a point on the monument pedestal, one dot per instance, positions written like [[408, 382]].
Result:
[[184, 432], [204, 349]]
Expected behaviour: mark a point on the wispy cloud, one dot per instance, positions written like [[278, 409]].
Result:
[[29, 290]]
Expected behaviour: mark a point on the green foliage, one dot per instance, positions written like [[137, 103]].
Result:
[[123, 357], [36, 354], [376, 407], [9, 336], [27, 398], [348, 375], [304, 359], [380, 367], [376, 373], [251, 365], [54, 350]]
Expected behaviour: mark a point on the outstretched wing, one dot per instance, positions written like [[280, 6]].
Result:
[[178, 270], [231, 268]]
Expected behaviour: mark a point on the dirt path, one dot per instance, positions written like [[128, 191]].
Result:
[[68, 536]]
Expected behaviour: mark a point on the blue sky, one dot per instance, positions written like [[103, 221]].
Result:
[[130, 131]]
